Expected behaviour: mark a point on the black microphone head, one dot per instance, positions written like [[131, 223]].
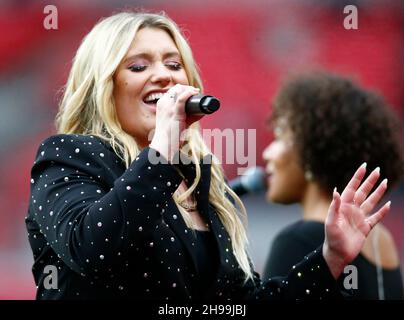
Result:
[[201, 104], [254, 180], [209, 104]]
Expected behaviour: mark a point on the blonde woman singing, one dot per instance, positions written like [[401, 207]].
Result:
[[117, 224]]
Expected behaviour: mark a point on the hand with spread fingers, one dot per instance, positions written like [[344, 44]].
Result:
[[350, 219]]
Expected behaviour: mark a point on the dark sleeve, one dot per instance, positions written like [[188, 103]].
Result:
[[395, 291], [88, 224], [309, 279], [286, 251]]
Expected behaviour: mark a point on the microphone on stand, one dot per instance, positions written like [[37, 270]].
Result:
[[253, 181]]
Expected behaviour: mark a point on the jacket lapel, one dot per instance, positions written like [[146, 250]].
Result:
[[227, 263], [173, 217]]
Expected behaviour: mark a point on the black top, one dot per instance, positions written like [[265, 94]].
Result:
[[296, 240], [207, 258], [115, 233]]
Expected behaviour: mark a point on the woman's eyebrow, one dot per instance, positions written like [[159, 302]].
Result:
[[172, 54], [138, 55], [149, 55]]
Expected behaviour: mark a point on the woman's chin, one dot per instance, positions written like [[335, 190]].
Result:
[[151, 107], [274, 197], [270, 196]]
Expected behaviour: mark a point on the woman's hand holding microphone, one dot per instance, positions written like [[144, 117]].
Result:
[[172, 120]]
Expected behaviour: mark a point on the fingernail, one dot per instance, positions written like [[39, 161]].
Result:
[[385, 181], [364, 165], [335, 189], [377, 170], [389, 204]]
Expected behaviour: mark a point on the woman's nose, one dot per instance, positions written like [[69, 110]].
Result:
[[267, 152], [161, 74]]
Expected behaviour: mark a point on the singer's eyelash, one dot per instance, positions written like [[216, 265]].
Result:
[[137, 68], [174, 65]]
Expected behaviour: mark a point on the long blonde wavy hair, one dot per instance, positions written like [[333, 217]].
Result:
[[87, 107]]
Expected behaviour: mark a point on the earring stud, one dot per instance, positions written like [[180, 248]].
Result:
[[308, 175]]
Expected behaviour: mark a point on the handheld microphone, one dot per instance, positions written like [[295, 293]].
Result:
[[201, 104], [253, 181]]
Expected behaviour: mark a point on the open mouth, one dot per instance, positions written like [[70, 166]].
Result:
[[268, 176], [151, 99]]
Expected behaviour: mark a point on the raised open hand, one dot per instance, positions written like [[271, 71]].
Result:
[[349, 219]]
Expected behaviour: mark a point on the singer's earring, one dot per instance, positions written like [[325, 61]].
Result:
[[308, 175]]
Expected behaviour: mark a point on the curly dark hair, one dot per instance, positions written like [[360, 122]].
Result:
[[336, 126]]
